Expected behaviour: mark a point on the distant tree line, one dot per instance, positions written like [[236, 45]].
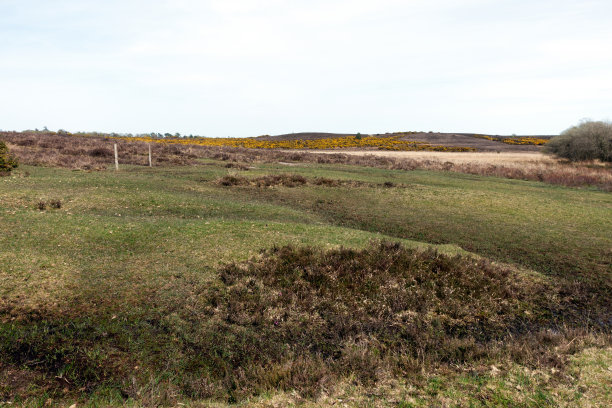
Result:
[[156, 135], [589, 140]]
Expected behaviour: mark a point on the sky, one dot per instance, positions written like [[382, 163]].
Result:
[[243, 68]]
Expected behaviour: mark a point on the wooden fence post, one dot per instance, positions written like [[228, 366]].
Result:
[[150, 160], [116, 158]]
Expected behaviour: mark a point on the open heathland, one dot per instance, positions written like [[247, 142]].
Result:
[[266, 278], [96, 152]]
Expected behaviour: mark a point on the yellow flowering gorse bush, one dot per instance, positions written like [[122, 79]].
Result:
[[377, 142]]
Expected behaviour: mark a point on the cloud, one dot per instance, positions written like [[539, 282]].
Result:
[[326, 65]]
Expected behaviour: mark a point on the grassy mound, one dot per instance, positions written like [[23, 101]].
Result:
[[302, 319]]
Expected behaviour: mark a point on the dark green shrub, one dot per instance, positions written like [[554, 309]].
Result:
[[55, 204], [587, 141], [7, 162]]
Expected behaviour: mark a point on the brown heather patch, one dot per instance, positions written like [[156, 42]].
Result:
[[301, 318], [287, 180], [88, 153]]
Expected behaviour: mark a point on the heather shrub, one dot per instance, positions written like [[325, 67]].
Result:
[[7, 162], [43, 205], [239, 166], [286, 180], [294, 317], [231, 180], [587, 141], [101, 152], [55, 204]]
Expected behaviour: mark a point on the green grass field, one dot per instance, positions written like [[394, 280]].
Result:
[[95, 296]]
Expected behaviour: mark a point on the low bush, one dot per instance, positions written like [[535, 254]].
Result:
[[7, 162], [286, 180], [101, 152], [42, 205], [239, 166], [587, 141], [298, 318], [231, 180], [55, 204], [324, 181], [289, 180]]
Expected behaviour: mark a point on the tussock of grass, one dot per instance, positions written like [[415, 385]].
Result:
[[42, 205]]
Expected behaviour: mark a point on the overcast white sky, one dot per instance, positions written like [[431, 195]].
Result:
[[246, 67]]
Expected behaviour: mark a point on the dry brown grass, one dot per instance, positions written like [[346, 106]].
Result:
[[454, 157]]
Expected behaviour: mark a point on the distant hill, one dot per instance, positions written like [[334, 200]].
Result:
[[305, 136], [434, 138]]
